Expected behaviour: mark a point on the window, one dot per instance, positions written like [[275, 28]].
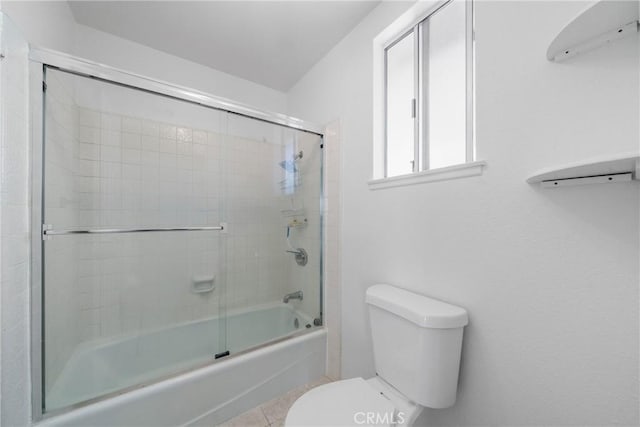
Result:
[[424, 90]]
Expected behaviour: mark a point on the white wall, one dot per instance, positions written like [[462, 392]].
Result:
[[120, 53], [43, 23], [14, 228], [550, 278], [1, 95], [51, 24]]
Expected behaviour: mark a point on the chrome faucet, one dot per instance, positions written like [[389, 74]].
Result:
[[292, 295]]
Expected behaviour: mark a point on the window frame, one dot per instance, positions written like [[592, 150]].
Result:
[[413, 23], [410, 32]]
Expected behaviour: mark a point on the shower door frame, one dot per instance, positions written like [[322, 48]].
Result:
[[39, 59]]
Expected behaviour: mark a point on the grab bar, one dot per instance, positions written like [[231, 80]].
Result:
[[47, 231]]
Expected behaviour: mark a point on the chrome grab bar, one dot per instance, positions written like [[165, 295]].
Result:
[[46, 231]]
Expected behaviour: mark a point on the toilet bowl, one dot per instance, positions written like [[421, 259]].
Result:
[[416, 346], [353, 402]]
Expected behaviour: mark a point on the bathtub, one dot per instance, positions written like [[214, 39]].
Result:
[[207, 395]]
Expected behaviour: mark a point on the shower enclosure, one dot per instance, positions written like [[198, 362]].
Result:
[[176, 233]]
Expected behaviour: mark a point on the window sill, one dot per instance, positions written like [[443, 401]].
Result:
[[441, 174]]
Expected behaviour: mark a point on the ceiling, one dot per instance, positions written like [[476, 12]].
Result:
[[273, 43]]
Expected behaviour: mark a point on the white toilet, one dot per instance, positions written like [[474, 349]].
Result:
[[416, 347]]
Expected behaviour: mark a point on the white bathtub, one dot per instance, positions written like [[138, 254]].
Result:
[[204, 396]]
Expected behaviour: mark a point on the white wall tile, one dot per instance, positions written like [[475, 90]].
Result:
[[167, 131], [131, 140], [184, 134], [131, 125], [111, 122], [131, 156], [150, 143], [111, 137], [89, 118], [110, 154], [167, 146], [88, 134], [88, 151]]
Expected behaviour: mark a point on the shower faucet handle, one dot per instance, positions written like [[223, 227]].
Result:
[[302, 257]]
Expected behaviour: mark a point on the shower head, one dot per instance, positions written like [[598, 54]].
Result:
[[290, 165]]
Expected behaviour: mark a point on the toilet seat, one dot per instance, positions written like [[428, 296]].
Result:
[[352, 402]]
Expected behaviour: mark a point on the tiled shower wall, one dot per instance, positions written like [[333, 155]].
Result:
[[139, 173]]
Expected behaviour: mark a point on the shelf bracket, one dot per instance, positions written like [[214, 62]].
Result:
[[585, 180], [594, 43]]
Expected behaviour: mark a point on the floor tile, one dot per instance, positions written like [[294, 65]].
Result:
[[252, 418], [273, 412], [320, 381], [277, 408], [277, 423]]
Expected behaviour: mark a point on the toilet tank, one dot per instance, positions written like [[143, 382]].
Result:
[[416, 344]]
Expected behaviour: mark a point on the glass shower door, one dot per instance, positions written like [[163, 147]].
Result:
[[174, 235], [273, 210], [125, 300]]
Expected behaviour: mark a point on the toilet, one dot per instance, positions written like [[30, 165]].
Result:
[[416, 347]]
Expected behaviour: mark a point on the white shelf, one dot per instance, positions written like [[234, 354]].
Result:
[[602, 23], [623, 167]]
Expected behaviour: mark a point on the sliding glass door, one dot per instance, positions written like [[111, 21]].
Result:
[[274, 226], [174, 236], [124, 300]]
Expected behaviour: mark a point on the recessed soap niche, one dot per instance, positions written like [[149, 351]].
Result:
[[203, 284]]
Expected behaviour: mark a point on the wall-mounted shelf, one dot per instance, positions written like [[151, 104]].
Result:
[[598, 25], [624, 167]]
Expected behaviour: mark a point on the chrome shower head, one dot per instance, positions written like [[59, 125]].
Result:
[[289, 166]]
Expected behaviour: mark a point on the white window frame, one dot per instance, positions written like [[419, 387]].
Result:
[[408, 22]]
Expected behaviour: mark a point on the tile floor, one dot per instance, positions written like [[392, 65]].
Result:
[[273, 412]]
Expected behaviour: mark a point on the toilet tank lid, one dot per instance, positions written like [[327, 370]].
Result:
[[419, 309]]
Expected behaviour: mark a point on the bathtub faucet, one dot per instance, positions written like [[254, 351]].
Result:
[[292, 295]]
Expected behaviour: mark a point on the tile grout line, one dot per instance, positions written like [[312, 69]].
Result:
[[264, 416]]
